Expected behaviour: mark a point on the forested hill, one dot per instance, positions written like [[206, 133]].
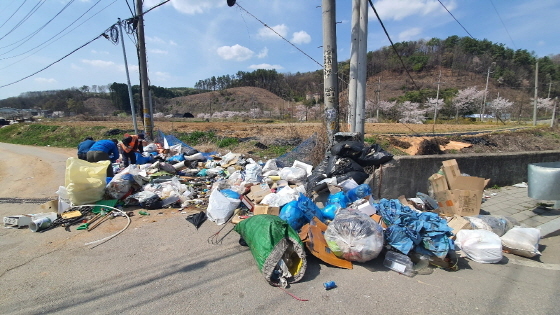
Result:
[[412, 74]]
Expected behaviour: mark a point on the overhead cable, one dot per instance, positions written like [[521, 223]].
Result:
[[13, 13], [454, 18], [392, 45], [73, 51], [28, 37], [27, 16]]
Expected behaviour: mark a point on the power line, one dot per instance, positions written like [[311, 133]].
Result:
[[27, 16], [13, 13], [392, 45], [57, 35], [28, 37], [454, 18], [73, 51], [503, 24]]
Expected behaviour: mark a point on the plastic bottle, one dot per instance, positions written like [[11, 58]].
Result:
[[399, 263]]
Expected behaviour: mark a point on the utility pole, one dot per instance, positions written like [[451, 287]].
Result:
[[132, 109], [143, 70], [330, 70], [485, 93], [554, 112], [362, 71], [378, 92], [536, 94], [358, 67], [437, 97]]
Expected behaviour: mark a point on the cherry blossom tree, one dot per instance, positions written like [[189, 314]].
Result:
[[389, 109], [500, 106], [411, 113], [433, 105], [467, 99], [544, 103]]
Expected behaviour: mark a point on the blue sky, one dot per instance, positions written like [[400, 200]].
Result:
[[191, 40]]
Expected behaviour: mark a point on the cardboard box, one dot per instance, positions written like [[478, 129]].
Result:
[[458, 223], [266, 209], [463, 195], [257, 193], [438, 182]]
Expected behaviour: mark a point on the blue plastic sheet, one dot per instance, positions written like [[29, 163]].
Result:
[[425, 233]]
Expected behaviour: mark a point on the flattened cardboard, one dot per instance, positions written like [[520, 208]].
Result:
[[458, 223], [312, 236], [377, 218], [266, 209], [468, 202]]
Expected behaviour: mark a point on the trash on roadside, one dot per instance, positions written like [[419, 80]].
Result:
[[480, 245], [276, 248], [522, 241]]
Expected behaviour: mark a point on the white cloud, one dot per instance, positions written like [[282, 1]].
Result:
[[235, 52], [409, 34], [301, 37], [45, 80], [263, 53], [399, 9], [172, 43], [161, 76], [188, 6], [75, 66], [99, 63], [99, 52], [267, 33], [158, 51], [265, 66], [155, 40]]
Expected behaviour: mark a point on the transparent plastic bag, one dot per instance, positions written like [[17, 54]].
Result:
[[495, 223], [354, 236]]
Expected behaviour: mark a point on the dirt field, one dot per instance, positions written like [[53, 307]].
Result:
[[395, 137]]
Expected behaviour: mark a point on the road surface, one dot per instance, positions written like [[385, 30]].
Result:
[[162, 265]]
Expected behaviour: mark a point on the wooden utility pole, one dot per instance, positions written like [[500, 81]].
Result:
[[143, 71], [330, 70]]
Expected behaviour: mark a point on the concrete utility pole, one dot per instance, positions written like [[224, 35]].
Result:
[[362, 71], [485, 93], [554, 112], [132, 109], [536, 94], [437, 97], [143, 71], [330, 69], [354, 47], [378, 98], [358, 67]]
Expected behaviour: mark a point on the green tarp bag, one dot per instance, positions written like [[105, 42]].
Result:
[[276, 247]]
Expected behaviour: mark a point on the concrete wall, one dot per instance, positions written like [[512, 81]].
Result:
[[407, 175]]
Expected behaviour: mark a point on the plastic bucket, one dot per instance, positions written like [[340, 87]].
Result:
[[40, 224]]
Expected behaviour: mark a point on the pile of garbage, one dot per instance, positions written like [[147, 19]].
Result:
[[281, 208]]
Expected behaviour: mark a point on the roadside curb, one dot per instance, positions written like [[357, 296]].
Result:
[[551, 228]]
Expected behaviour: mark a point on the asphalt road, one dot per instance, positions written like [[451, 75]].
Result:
[[162, 265]]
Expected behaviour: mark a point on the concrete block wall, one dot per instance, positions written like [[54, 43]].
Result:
[[407, 175]]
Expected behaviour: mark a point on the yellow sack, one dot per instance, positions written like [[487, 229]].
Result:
[[85, 182]]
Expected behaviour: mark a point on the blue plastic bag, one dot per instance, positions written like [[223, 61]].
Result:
[[293, 215], [359, 192]]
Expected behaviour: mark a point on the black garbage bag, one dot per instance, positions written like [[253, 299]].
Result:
[[349, 149], [152, 202], [340, 166], [374, 155], [358, 176], [197, 219]]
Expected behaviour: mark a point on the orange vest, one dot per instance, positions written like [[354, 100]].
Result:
[[132, 146]]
